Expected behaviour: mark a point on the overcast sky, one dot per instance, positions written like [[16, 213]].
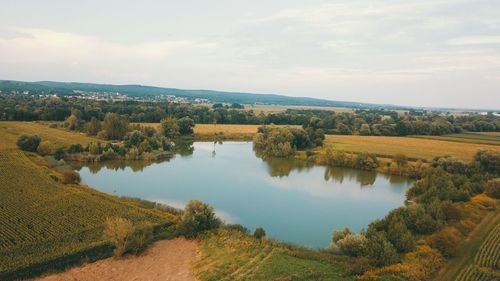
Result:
[[442, 53]]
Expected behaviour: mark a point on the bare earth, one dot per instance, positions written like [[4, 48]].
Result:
[[165, 260]]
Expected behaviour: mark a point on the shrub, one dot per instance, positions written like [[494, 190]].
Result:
[[59, 153], [95, 148], [197, 217], [359, 265], [353, 245], [169, 127], [237, 227], [493, 188], [75, 148], [141, 238], [186, 125], [446, 241], [339, 235], [380, 251], [70, 176], [28, 142], [119, 232], [259, 233], [44, 148], [114, 126]]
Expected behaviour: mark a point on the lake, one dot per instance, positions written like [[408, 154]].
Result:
[[293, 201]]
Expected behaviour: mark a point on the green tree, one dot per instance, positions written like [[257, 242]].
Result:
[[114, 126], [186, 126], [197, 217], [259, 233], [93, 127], [169, 127], [353, 245], [380, 251]]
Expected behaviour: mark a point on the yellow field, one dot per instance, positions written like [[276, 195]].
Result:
[[225, 131], [412, 147], [9, 131]]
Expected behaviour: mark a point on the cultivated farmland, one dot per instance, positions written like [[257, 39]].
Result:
[[417, 148], [486, 261], [47, 225]]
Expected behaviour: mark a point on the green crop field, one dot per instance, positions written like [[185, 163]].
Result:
[[46, 225], [233, 256]]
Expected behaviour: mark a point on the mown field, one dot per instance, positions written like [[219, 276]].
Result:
[[417, 148], [10, 130], [232, 256], [46, 225]]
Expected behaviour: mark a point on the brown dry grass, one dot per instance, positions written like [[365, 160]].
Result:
[[412, 147], [10, 130]]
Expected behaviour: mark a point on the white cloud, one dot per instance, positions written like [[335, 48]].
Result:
[[36, 45], [475, 40]]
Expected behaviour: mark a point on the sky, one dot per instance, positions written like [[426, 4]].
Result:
[[439, 53]]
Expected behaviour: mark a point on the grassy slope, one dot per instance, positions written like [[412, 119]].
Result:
[[10, 130], [41, 219], [233, 256], [411, 147]]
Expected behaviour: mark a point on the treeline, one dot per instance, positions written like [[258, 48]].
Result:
[[120, 140], [411, 241], [361, 122]]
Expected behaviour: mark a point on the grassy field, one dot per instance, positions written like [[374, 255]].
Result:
[[10, 130], [479, 138], [45, 224], [233, 256], [417, 148]]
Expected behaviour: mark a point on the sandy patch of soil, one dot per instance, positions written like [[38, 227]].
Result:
[[165, 260]]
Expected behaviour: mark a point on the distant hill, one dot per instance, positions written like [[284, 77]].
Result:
[[64, 88]]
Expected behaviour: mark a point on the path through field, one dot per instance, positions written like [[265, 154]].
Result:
[[165, 260]]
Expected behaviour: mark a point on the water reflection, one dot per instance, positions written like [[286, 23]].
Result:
[[293, 200]]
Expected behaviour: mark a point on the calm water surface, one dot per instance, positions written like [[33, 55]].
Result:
[[292, 201]]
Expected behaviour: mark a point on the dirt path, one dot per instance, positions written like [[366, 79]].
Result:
[[165, 260]]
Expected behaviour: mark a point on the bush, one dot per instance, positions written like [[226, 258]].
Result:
[[197, 217], [493, 188], [28, 142], [359, 265], [186, 125], [446, 241], [353, 245], [380, 251], [259, 233], [141, 238], [75, 148], [44, 148], [70, 176], [237, 227], [119, 232], [339, 235], [169, 127], [59, 153]]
